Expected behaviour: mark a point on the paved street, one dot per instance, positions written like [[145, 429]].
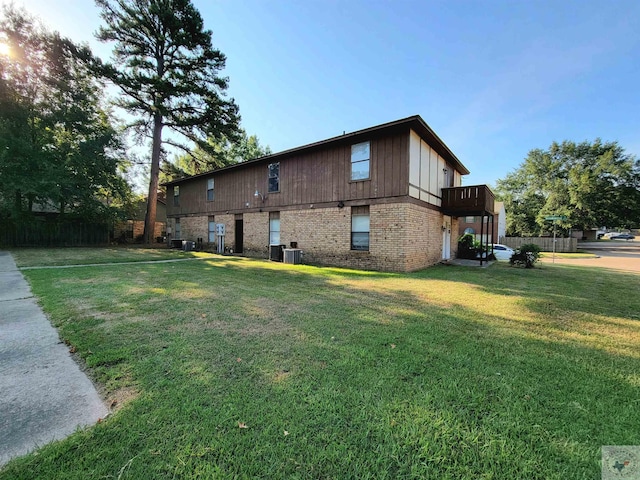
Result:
[[617, 255], [43, 394]]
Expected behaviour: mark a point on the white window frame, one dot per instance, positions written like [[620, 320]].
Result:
[[210, 189], [271, 176], [211, 229], [274, 228], [360, 155], [176, 195], [360, 225]]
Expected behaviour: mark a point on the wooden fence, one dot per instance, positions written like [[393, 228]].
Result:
[[567, 245], [39, 233]]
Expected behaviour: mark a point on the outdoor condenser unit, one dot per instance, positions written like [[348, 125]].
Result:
[[292, 255]]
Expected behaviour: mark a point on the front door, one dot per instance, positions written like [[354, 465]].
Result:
[[239, 235], [446, 238]]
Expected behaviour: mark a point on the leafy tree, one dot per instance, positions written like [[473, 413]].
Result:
[[166, 67], [226, 153], [592, 184], [58, 147]]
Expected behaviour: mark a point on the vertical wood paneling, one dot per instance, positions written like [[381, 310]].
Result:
[[414, 158], [403, 181], [388, 166], [425, 152], [323, 175], [397, 152]]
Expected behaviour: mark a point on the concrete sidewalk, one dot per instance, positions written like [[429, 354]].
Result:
[[44, 395]]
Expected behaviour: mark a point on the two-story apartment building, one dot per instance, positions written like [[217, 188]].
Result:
[[382, 198]]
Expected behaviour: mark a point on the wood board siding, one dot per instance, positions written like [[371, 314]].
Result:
[[427, 171], [315, 177]]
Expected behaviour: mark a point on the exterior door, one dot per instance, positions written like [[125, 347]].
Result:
[[446, 238], [239, 235]]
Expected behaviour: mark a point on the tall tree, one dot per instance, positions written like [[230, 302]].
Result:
[[246, 147], [58, 145], [166, 67], [593, 184]]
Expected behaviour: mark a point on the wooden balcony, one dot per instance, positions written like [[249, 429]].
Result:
[[463, 201]]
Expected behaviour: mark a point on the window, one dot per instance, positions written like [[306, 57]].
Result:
[[360, 161], [176, 196], [274, 177], [210, 190], [212, 229], [274, 228], [129, 231], [178, 232], [470, 231], [360, 228]]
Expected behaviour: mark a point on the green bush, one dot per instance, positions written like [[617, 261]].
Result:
[[466, 246], [526, 256], [469, 247]]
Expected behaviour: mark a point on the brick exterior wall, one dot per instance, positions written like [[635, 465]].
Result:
[[138, 229], [403, 236], [194, 227], [477, 226], [256, 234]]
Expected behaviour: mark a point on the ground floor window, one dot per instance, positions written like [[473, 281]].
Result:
[[212, 229], [274, 228], [178, 233], [360, 228]]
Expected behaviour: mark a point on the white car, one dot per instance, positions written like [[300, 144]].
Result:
[[502, 252]]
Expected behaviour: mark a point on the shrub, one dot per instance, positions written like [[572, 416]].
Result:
[[469, 247], [526, 256], [466, 248]]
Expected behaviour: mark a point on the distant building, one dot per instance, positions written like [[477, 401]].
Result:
[[132, 229], [492, 230]]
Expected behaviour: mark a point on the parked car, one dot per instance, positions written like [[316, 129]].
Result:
[[622, 236], [502, 252]]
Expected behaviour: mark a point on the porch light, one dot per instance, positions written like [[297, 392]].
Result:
[[258, 194]]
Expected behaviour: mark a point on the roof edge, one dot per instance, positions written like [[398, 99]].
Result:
[[415, 121]]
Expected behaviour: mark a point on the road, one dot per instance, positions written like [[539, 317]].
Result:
[[615, 254]]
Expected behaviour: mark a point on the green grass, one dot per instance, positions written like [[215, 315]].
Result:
[[577, 255], [451, 372], [30, 257]]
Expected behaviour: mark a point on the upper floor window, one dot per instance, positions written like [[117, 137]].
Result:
[[360, 159], [176, 196], [274, 177], [210, 190]]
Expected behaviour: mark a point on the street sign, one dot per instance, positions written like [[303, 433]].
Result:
[[555, 217]]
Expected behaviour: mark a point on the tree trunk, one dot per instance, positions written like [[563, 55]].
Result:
[[152, 198]]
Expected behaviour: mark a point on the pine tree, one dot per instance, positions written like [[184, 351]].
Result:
[[166, 67]]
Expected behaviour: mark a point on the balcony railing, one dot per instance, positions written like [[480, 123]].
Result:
[[472, 200]]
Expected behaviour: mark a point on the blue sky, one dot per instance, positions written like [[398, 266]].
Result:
[[494, 79]]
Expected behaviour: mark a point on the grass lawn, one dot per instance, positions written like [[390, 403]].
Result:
[[577, 255], [238, 368], [29, 257]]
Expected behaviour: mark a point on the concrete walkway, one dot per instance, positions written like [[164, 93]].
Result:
[[43, 394]]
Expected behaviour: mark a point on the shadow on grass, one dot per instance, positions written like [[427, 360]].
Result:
[[343, 375]]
